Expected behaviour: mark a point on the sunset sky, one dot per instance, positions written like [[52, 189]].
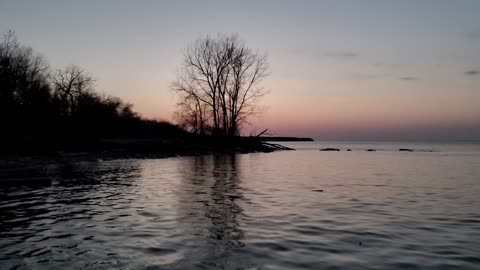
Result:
[[341, 70]]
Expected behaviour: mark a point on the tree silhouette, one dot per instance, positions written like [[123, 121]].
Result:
[[38, 109], [219, 84], [69, 85], [24, 88]]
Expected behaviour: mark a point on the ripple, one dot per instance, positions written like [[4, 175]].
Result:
[[256, 211]]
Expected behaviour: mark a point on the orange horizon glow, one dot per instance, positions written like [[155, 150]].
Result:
[[336, 68]]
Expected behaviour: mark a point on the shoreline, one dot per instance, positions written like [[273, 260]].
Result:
[[135, 148]]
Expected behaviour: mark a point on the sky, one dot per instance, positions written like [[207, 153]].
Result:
[[339, 70]]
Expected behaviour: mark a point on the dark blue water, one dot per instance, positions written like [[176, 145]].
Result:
[[301, 209]]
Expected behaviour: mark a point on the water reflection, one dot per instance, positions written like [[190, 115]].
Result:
[[42, 222], [209, 208], [255, 211]]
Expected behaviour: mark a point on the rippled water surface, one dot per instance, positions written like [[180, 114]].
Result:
[[301, 209]]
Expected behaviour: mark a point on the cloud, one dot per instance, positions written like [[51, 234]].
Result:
[[472, 72], [409, 78], [341, 55], [381, 76], [474, 35]]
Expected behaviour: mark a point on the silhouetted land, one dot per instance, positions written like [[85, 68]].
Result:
[[138, 147], [59, 115]]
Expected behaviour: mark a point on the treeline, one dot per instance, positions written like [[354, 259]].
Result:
[[41, 105]]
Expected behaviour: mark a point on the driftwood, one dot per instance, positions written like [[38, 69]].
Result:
[[277, 146], [261, 133]]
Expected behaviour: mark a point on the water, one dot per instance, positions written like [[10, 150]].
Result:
[[301, 209]]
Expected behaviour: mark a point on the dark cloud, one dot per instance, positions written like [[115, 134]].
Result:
[[409, 78], [342, 55], [472, 72]]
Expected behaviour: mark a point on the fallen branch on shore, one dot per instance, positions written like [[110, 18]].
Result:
[[277, 146]]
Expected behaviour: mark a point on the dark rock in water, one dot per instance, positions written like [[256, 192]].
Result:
[[405, 150], [349, 150], [371, 150], [330, 149], [318, 190]]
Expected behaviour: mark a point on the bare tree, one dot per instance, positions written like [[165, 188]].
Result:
[[23, 78], [219, 84], [69, 84], [193, 114], [41, 108]]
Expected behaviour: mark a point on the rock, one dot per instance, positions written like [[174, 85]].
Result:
[[349, 150], [330, 149], [405, 150], [371, 150], [318, 190]]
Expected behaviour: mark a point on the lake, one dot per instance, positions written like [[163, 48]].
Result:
[[303, 209]]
